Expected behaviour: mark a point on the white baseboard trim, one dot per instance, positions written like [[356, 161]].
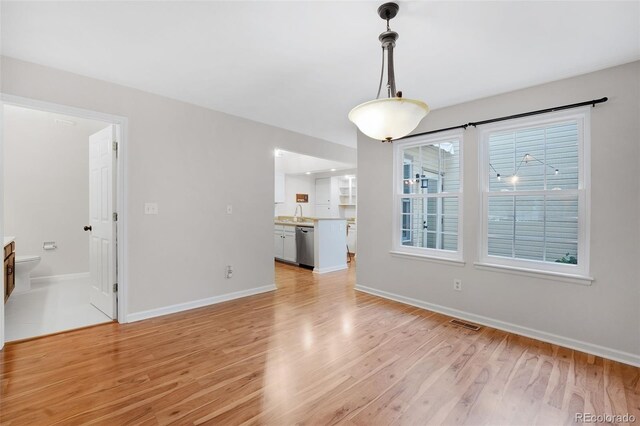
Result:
[[59, 278], [590, 348], [330, 269], [172, 309]]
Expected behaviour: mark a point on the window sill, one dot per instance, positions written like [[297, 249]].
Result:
[[427, 258], [534, 273]]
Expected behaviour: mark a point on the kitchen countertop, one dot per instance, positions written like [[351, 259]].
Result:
[[291, 223], [307, 220], [8, 240]]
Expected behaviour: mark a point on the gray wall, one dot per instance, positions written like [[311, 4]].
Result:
[[193, 162], [607, 313], [46, 188], [297, 184]]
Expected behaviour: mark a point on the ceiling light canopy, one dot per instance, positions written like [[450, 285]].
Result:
[[392, 117]]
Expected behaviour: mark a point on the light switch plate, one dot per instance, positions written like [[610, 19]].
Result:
[[150, 208]]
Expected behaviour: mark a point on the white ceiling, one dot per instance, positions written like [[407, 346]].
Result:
[[294, 163], [303, 65], [64, 124]]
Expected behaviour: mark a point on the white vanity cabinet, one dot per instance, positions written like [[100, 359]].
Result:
[[284, 242]]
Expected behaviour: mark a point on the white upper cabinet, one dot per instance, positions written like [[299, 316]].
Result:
[[279, 188], [347, 186]]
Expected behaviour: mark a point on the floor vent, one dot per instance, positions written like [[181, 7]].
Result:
[[466, 325]]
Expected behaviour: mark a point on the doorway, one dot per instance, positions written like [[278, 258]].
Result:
[[309, 188], [61, 188]]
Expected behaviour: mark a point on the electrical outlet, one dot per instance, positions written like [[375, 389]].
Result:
[[229, 272], [457, 284], [150, 208]]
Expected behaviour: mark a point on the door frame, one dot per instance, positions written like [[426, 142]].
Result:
[[121, 187]]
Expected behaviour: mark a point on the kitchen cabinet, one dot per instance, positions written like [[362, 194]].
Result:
[[347, 191], [284, 242], [336, 197], [279, 189], [278, 245], [9, 269], [323, 190], [289, 239], [327, 197]]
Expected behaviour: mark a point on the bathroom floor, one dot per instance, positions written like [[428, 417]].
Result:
[[50, 308]]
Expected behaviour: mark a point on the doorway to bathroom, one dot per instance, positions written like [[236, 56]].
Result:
[[60, 221]]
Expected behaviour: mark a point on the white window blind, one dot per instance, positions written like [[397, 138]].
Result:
[[534, 195]]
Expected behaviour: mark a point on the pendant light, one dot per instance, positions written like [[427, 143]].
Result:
[[392, 117]]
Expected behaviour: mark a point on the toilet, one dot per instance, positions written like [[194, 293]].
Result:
[[24, 266]]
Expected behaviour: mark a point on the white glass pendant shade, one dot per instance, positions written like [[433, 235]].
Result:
[[389, 118]]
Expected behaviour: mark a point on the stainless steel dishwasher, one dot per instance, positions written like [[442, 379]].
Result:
[[304, 245]]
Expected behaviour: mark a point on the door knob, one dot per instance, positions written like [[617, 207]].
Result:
[[87, 228]]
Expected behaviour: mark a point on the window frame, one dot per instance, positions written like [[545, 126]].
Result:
[[583, 118], [398, 195]]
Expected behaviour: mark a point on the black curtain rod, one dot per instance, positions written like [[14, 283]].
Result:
[[592, 102], [462, 126]]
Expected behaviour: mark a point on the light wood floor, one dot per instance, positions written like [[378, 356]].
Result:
[[312, 352]]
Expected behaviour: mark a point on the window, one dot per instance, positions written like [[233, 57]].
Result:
[[534, 194], [428, 196]]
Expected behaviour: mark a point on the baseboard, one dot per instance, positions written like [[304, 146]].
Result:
[[172, 309], [51, 279], [590, 348], [330, 269]]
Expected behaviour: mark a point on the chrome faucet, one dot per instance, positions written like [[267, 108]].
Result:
[[295, 214]]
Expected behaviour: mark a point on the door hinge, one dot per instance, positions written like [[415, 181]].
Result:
[[115, 146], [115, 216], [115, 288]]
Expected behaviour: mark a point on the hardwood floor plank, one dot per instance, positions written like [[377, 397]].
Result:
[[313, 352]]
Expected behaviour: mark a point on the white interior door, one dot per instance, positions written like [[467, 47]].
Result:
[[102, 166]]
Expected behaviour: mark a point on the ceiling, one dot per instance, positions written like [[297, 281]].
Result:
[[60, 123], [303, 65], [294, 163]]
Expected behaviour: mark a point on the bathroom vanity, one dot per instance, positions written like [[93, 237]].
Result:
[[9, 267]]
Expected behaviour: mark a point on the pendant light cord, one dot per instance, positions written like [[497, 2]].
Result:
[[381, 75]]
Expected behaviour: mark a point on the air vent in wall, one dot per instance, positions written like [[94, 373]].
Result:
[[466, 325]]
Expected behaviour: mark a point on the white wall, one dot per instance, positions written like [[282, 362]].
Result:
[[46, 187], [602, 318], [193, 162], [306, 184], [297, 184]]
